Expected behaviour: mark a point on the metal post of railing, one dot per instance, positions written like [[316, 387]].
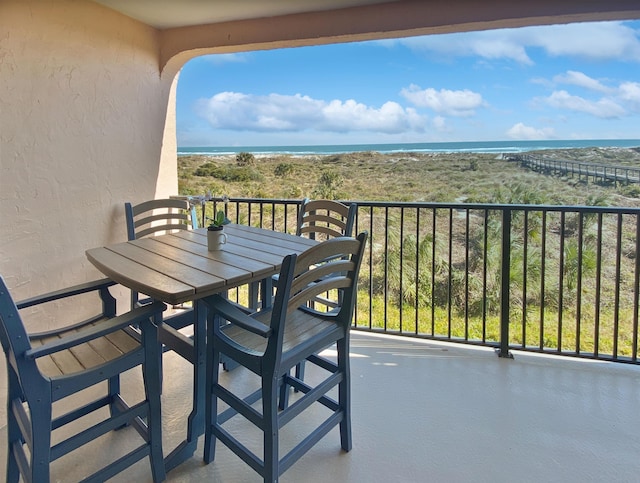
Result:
[[505, 280]]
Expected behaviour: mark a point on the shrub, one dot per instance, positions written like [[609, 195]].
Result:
[[245, 159], [328, 185], [283, 169], [207, 169], [229, 173]]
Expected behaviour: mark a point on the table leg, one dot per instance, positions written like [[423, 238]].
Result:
[[195, 424]]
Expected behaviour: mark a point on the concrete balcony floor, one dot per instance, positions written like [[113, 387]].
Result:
[[427, 412]]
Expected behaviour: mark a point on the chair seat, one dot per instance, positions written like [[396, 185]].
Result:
[[86, 355], [302, 326]]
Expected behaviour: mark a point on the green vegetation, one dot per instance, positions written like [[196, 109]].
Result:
[[441, 177], [245, 159], [420, 281]]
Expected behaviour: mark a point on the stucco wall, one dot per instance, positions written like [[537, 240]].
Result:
[[82, 127]]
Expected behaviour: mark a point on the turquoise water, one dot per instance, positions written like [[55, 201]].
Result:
[[478, 147]]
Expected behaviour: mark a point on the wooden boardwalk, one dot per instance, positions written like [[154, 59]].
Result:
[[597, 172]]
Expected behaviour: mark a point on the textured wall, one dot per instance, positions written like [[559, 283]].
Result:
[[82, 126]]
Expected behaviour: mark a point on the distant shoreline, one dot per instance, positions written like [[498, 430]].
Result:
[[488, 147]]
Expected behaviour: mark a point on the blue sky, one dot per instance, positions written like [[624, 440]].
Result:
[[576, 81]]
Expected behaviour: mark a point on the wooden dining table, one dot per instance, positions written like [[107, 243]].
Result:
[[177, 268]]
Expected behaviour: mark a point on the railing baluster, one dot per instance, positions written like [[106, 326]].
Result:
[[433, 272], [371, 238], [525, 276], [401, 291], [417, 272], [466, 276], [505, 284], [596, 325], [636, 292], [543, 264], [616, 311], [450, 274], [561, 256], [485, 272], [579, 281]]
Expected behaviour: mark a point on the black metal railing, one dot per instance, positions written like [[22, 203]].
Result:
[[554, 279]]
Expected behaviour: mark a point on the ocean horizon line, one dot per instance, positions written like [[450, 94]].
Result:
[[439, 147]]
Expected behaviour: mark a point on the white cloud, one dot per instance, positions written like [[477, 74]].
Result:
[[605, 108], [455, 103], [276, 112], [629, 92], [581, 80], [439, 123], [495, 44], [617, 101], [527, 133], [589, 40]]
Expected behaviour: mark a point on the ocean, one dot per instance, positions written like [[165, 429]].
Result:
[[450, 147]]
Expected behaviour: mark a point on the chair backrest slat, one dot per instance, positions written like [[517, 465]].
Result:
[[159, 217], [327, 218]]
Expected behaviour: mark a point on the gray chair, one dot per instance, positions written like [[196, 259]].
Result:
[[48, 367], [324, 219], [157, 217], [318, 220], [272, 341]]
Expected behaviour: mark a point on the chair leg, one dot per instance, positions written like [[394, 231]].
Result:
[[344, 392], [152, 383], [271, 431], [300, 371], [211, 404], [113, 390], [41, 431], [13, 430], [284, 393], [13, 435]]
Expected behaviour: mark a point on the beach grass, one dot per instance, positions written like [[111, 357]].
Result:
[[372, 176], [447, 178]]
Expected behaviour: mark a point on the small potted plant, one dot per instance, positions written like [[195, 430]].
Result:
[[215, 237]]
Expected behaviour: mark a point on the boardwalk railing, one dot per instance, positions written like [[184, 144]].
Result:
[[597, 172], [553, 279]]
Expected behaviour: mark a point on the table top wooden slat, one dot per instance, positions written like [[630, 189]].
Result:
[[219, 263], [258, 262], [271, 239], [138, 277], [162, 261]]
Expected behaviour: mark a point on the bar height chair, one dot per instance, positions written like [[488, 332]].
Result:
[[272, 341], [157, 217], [321, 220], [48, 367]]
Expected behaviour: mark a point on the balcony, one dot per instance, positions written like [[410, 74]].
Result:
[[431, 411]]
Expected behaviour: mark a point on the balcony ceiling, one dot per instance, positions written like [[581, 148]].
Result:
[[164, 14]]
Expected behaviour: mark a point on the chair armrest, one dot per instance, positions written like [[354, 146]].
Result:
[[103, 328], [233, 314], [66, 292]]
